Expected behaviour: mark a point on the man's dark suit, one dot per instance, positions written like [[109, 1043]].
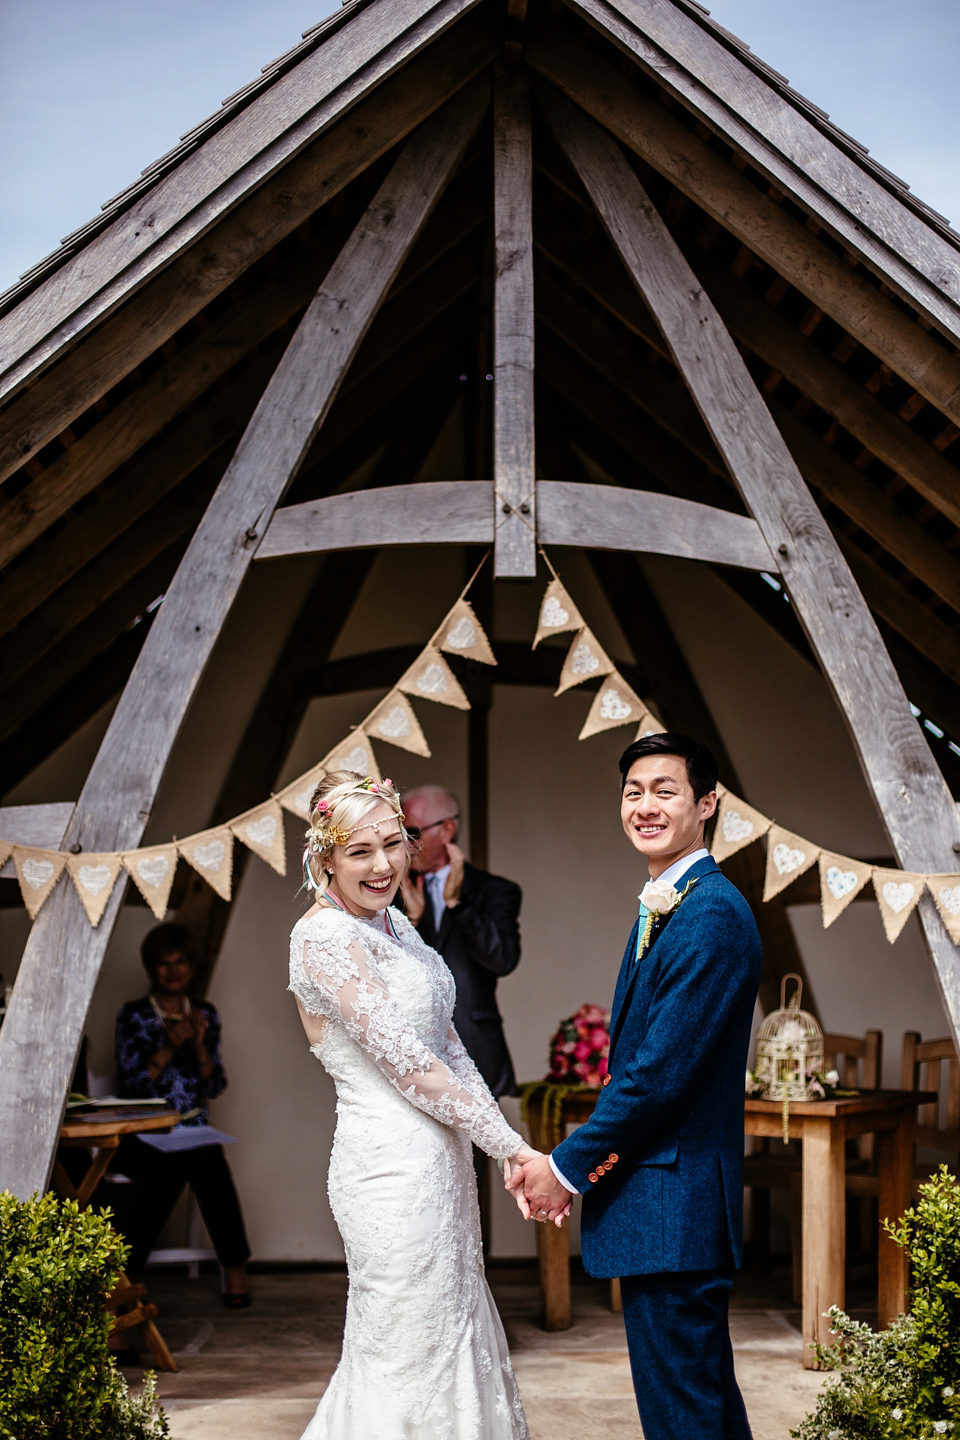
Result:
[[480, 941], [660, 1161]]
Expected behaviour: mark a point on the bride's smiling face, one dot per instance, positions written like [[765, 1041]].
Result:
[[369, 868]]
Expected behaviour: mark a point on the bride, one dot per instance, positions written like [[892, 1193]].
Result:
[[424, 1353]]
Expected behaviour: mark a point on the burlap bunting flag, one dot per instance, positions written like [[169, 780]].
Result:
[[37, 871], [788, 856], [394, 721], [557, 613], [841, 880], [898, 892], [152, 870], [586, 660], [6, 850], [649, 725], [462, 634], [295, 797], [355, 753], [211, 855], [261, 830], [738, 824], [431, 678], [945, 890], [94, 877], [615, 704]]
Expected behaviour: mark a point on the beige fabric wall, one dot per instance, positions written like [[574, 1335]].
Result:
[[554, 828]]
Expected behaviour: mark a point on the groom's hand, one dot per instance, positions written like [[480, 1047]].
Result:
[[546, 1198]]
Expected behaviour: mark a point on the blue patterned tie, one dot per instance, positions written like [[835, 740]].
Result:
[[641, 924]]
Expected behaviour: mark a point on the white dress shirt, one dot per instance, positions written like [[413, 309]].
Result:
[[670, 876]]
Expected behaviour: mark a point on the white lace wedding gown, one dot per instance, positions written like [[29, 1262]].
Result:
[[424, 1353]]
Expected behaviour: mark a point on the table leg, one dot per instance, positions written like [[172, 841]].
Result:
[[824, 1229], [895, 1186], [553, 1245]]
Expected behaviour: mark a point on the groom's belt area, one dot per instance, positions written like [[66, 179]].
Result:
[[602, 1168]]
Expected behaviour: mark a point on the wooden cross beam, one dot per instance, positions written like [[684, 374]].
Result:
[[515, 552], [910, 792], [44, 1023]]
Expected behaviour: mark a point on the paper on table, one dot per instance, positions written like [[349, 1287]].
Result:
[[188, 1137]]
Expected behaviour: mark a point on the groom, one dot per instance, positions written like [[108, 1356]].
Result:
[[660, 1161]]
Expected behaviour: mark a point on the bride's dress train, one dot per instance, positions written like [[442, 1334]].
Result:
[[424, 1353]]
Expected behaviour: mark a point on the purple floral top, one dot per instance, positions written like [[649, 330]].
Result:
[[140, 1033]]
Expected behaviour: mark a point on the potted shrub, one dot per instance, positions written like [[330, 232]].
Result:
[[57, 1378]]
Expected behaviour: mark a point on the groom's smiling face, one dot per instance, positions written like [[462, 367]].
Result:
[[660, 816]]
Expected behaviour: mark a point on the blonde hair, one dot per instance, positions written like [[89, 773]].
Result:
[[346, 797]]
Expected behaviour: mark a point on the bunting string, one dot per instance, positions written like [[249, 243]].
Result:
[[738, 824], [210, 852]]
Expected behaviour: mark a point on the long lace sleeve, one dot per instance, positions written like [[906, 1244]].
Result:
[[456, 1056], [334, 976]]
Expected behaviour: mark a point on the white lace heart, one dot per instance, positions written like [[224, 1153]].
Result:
[[432, 681], [553, 614], [787, 860], [950, 898], [36, 872], [262, 831], [584, 661], [613, 706], [302, 801], [396, 723], [212, 855], [94, 878], [463, 635], [735, 827], [898, 896], [355, 759], [154, 870], [840, 882]]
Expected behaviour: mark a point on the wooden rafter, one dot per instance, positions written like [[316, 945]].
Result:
[[911, 795], [63, 955]]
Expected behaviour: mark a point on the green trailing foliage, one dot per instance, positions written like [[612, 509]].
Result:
[[57, 1378], [902, 1382]]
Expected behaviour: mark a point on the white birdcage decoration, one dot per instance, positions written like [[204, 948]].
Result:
[[789, 1046]]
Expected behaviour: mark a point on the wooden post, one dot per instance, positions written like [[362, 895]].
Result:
[[895, 1152], [824, 1226], [513, 431], [44, 1023], [910, 792]]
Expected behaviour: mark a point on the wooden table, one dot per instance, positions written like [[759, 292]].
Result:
[[823, 1127], [104, 1135]]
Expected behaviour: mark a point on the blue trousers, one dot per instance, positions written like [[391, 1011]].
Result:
[[680, 1355]]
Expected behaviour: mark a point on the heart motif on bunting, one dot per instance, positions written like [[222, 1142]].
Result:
[[37, 873], [949, 897], [788, 857], [210, 856], [585, 657], [897, 896], [584, 662], [734, 827], [841, 882], [431, 677], [94, 878], [154, 871], [613, 706], [463, 636], [394, 719], [395, 725], [262, 832], [354, 760], [787, 860], [945, 890], [462, 633], [557, 613], [553, 615]]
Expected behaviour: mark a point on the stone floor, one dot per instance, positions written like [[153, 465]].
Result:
[[257, 1374]]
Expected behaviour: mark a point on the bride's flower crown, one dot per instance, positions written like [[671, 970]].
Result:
[[324, 834]]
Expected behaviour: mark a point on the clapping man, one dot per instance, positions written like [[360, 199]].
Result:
[[471, 918]]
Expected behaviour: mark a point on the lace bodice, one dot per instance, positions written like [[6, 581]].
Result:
[[393, 996]]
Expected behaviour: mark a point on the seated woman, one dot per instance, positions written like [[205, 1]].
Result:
[[169, 1048]]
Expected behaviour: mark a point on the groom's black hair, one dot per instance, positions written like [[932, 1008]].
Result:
[[701, 763]]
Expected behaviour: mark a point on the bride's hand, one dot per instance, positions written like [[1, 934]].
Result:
[[511, 1166]]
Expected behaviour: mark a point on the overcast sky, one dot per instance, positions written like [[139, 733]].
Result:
[[91, 91]]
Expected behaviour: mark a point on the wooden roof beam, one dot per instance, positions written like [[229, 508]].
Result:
[[910, 792], [63, 955], [728, 197]]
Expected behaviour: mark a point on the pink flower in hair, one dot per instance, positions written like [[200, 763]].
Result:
[[375, 787], [322, 807], [388, 782]]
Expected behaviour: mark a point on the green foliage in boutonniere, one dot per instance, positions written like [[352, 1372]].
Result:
[[659, 901]]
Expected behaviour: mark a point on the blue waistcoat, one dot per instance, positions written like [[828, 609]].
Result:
[[668, 1128]]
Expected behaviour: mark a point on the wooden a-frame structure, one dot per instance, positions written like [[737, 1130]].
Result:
[[651, 243]]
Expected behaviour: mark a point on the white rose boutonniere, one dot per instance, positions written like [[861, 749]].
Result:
[[658, 898]]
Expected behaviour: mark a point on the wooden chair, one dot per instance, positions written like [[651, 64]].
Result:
[[859, 1061], [921, 1068]]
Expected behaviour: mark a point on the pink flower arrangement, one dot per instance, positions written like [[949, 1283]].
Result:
[[579, 1049]]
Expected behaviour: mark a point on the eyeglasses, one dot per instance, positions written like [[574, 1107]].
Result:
[[422, 829]]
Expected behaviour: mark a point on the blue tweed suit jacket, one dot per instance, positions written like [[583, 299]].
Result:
[[660, 1162]]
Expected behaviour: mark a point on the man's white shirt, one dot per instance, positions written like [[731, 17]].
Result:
[[670, 876], [435, 882]]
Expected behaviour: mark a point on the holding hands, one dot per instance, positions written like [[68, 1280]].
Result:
[[537, 1191]]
